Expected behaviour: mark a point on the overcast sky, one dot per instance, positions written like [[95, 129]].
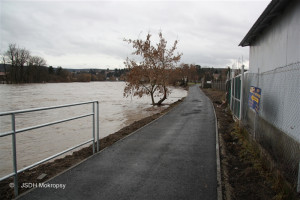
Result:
[[89, 34]]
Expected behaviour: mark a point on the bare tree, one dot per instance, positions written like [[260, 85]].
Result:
[[24, 68], [37, 61], [152, 73], [35, 64], [4, 61], [17, 58], [12, 55], [23, 57]]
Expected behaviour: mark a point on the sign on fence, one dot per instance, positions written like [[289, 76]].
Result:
[[254, 98]]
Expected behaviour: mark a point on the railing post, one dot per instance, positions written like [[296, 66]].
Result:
[[14, 131], [93, 127], [98, 126], [13, 124]]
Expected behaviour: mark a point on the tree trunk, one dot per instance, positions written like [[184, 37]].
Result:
[[22, 74], [5, 72], [152, 98], [164, 97]]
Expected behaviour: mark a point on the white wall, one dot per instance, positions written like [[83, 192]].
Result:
[[279, 45]]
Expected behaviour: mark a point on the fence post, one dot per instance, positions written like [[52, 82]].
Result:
[[255, 118], [242, 93], [231, 95], [13, 124]]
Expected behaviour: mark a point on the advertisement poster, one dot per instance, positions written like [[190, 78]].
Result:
[[254, 98]]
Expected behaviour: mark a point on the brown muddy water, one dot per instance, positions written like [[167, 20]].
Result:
[[115, 112]]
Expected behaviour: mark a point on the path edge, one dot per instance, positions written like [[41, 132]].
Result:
[[219, 180]]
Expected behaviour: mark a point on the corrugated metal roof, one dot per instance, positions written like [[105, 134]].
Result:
[[273, 10]]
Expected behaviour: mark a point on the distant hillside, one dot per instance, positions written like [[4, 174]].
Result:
[[88, 70]]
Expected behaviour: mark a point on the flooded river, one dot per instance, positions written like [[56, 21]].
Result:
[[32, 146]]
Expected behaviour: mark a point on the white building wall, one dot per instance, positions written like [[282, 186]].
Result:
[[276, 53], [279, 45]]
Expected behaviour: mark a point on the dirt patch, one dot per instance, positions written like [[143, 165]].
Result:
[[59, 165], [244, 176]]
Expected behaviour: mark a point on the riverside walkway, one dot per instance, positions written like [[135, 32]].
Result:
[[174, 157]]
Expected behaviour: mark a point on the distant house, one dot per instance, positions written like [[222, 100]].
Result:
[[274, 67]]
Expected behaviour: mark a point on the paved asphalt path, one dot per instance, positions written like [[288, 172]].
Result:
[[171, 158]]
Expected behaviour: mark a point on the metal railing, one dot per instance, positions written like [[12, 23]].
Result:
[[14, 131]]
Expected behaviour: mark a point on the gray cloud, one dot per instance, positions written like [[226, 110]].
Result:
[[90, 33]]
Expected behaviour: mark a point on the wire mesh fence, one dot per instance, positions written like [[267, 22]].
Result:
[[276, 124], [219, 85]]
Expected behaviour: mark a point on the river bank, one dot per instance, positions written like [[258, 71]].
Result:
[[115, 112], [57, 166]]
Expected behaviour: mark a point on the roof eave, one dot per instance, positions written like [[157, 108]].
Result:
[[272, 11]]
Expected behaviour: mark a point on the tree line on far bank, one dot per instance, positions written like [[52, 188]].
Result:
[[19, 66]]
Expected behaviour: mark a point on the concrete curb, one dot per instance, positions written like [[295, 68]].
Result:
[[219, 180]]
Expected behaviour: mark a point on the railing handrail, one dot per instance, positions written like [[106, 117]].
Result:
[[13, 132], [46, 124], [44, 108]]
